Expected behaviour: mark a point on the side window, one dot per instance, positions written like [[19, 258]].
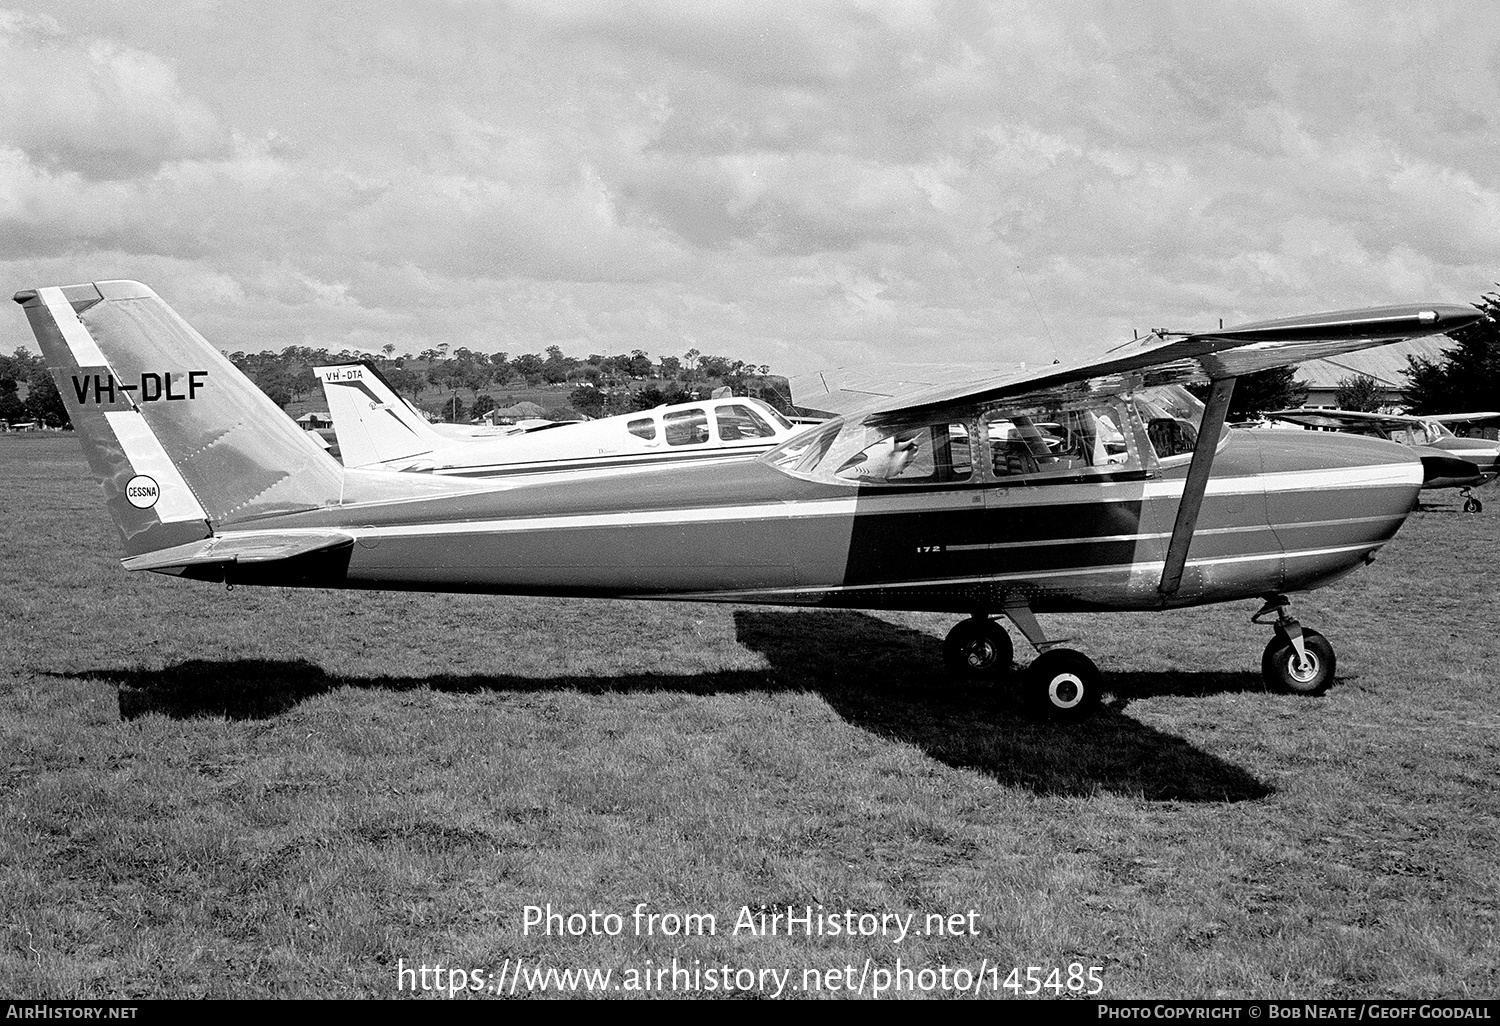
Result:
[[685, 427], [738, 421], [1050, 441], [934, 452], [643, 428]]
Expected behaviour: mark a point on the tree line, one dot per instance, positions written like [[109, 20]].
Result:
[[42, 404], [600, 381], [1466, 378]]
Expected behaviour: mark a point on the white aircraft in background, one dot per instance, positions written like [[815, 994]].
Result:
[[1449, 461], [378, 429]]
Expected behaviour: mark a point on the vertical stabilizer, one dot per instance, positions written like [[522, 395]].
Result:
[[180, 440], [374, 425]]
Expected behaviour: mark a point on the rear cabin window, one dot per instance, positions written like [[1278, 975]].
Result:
[[1002, 445], [685, 427], [737, 422], [643, 428]]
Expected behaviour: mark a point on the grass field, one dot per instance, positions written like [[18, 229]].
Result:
[[282, 793]]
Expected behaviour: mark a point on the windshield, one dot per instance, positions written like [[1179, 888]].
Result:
[[770, 411]]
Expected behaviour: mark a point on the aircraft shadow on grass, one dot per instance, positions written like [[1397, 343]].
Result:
[[878, 676]]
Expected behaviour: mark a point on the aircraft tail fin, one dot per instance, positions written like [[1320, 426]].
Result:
[[374, 425], [180, 440]]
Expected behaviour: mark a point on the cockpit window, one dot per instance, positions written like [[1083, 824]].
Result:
[[933, 452], [805, 449]]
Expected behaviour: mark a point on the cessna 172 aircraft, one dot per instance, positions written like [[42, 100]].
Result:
[[1447, 460], [1072, 487], [377, 428]]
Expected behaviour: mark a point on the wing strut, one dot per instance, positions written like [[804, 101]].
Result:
[[1209, 431]]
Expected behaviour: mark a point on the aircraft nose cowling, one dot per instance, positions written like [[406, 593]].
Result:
[[1334, 499], [1444, 470]]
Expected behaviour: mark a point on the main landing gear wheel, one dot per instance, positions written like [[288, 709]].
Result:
[[978, 647], [1284, 671], [1063, 684]]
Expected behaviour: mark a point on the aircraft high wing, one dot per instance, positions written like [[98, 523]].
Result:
[[844, 390], [378, 429], [1447, 460], [1096, 486]]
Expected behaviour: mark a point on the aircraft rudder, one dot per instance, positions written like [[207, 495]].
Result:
[[179, 439]]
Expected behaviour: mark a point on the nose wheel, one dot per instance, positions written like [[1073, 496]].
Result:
[[1297, 659], [1471, 503]]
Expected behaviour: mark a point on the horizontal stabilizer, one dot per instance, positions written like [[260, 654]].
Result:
[[241, 547]]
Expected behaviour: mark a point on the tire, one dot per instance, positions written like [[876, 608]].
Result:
[[978, 647], [1473, 505], [1279, 664], [1062, 684]]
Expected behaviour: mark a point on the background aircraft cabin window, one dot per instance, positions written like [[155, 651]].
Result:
[[737, 421], [685, 427], [933, 452], [1043, 441], [643, 428]]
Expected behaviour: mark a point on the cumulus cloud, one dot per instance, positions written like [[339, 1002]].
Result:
[[792, 182], [95, 107]]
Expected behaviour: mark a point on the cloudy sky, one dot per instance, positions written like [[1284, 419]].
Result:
[[800, 183]]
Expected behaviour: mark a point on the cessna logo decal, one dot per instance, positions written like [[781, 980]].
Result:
[[151, 388], [142, 491]]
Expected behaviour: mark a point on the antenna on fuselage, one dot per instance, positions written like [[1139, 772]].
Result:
[[1051, 341]]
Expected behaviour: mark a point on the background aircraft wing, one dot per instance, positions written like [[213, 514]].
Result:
[[1461, 418], [1164, 357], [1312, 416]]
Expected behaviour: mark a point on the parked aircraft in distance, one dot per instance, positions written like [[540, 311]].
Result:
[[1100, 485], [376, 428], [1447, 460]]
